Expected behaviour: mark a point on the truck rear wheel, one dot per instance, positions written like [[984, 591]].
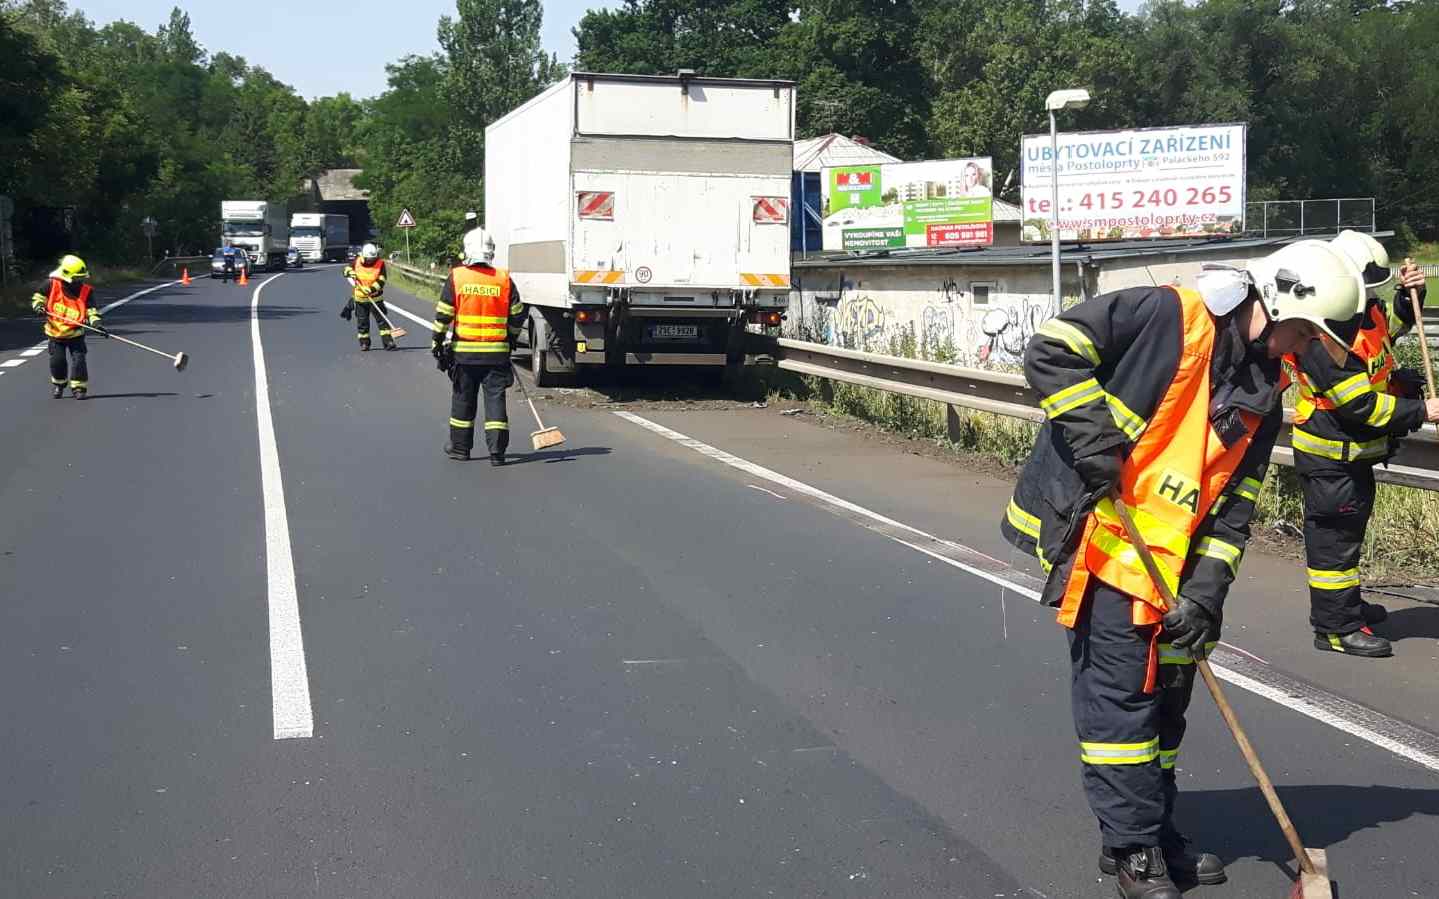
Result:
[[540, 353]]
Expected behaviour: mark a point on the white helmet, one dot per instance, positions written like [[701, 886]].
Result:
[[1367, 254], [369, 252], [1309, 281], [479, 247]]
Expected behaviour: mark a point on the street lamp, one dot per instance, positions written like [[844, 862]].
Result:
[[1077, 98]]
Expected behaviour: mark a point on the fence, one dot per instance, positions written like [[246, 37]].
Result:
[[1280, 218]]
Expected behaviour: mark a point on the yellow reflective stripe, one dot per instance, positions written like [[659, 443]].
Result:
[[1124, 418], [1228, 553], [444, 309], [497, 426], [482, 319], [1022, 520], [438, 328], [1370, 449], [1077, 341], [1326, 579], [1317, 446], [1118, 548], [1249, 489], [1382, 412], [1155, 531], [1060, 402], [461, 423], [1334, 642], [1170, 655], [471, 347], [85, 384], [1119, 753], [1349, 389], [1168, 758]]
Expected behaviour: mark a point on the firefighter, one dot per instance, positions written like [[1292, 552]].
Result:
[[367, 275], [1348, 419], [65, 306], [1171, 397], [480, 310]]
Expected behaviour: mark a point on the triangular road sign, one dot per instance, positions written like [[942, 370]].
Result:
[[406, 220]]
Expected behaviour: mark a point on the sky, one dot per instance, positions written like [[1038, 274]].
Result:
[[323, 47]]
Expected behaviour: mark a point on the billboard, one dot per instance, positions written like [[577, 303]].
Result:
[[1183, 181], [942, 203]]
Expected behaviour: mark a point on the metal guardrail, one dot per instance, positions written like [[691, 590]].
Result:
[[435, 279], [1416, 465]]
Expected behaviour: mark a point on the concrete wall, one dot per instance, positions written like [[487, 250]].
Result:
[[929, 311]]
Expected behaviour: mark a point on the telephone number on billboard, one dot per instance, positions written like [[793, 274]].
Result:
[[1155, 199]]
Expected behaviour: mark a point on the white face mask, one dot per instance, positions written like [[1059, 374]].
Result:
[[1222, 288]]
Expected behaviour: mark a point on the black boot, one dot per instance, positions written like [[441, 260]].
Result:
[[1185, 865], [1373, 613], [79, 392], [497, 460], [389, 344], [57, 391], [1143, 875], [454, 452], [364, 345], [1361, 643]]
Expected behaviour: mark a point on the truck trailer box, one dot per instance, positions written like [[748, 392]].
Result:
[[645, 219]]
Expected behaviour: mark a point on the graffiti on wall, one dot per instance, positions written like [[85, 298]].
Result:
[[1004, 331], [861, 321]]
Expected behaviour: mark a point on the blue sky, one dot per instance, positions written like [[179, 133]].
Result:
[[324, 47]]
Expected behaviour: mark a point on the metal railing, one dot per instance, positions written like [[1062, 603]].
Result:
[[1001, 393], [1279, 218], [434, 279]]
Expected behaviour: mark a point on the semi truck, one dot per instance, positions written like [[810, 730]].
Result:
[[259, 227], [644, 219], [320, 237]]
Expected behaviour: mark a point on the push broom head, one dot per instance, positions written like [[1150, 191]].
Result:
[[1314, 885], [548, 437], [181, 360]]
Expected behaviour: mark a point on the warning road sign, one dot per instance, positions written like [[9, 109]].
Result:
[[406, 220]]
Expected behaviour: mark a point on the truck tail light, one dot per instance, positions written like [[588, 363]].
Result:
[[770, 318], [589, 316]]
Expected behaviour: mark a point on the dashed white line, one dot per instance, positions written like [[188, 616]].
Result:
[[1369, 725], [289, 677], [39, 348], [11, 363], [33, 352]]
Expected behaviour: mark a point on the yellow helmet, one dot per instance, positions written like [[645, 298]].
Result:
[[72, 268]]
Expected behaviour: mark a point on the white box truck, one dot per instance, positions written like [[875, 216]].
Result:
[[259, 227], [644, 219], [320, 237]]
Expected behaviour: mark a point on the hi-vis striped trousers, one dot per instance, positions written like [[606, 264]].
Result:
[[1128, 739]]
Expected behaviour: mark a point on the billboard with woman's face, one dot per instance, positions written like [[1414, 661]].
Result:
[[942, 203]]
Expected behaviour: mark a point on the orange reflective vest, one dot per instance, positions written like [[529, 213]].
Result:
[[366, 275], [1371, 344], [482, 311], [59, 306], [1169, 481]]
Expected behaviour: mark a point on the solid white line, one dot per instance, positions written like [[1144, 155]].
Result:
[[390, 305], [135, 296], [289, 678], [1311, 706], [11, 363]]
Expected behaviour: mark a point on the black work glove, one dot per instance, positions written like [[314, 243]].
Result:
[[1409, 383], [1191, 626], [1099, 472], [437, 346], [347, 310]]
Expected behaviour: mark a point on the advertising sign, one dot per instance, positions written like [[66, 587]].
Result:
[[1183, 181], [943, 203]]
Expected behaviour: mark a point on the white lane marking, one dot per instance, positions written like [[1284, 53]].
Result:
[[390, 305], [135, 296], [11, 363], [41, 347], [33, 352], [1374, 727], [289, 678], [778, 496]]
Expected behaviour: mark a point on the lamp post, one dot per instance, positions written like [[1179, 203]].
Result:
[[1067, 99]]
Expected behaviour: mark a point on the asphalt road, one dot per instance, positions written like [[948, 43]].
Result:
[[628, 666]]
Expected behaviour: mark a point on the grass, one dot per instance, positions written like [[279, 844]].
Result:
[[1403, 535], [418, 288]]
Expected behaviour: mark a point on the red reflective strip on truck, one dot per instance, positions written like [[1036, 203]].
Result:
[[771, 210], [598, 205]]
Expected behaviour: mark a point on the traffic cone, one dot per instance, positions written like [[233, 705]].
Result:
[[185, 276], [244, 276]]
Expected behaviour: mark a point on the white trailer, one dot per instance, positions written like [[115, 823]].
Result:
[[320, 237], [644, 219], [259, 227]]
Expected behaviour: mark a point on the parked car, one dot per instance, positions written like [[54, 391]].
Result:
[[217, 263], [293, 258]]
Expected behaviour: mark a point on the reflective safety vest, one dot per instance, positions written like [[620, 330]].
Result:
[[1171, 478], [366, 275], [1373, 345], [59, 306], [482, 312]]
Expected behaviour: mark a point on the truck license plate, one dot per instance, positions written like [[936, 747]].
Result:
[[675, 332]]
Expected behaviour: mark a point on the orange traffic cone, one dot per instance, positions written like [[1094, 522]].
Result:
[[244, 276], [185, 276]]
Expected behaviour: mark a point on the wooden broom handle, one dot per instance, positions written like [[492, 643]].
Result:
[[1246, 748], [1423, 339]]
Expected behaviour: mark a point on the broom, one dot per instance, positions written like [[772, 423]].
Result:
[[1313, 882], [544, 437], [374, 306]]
